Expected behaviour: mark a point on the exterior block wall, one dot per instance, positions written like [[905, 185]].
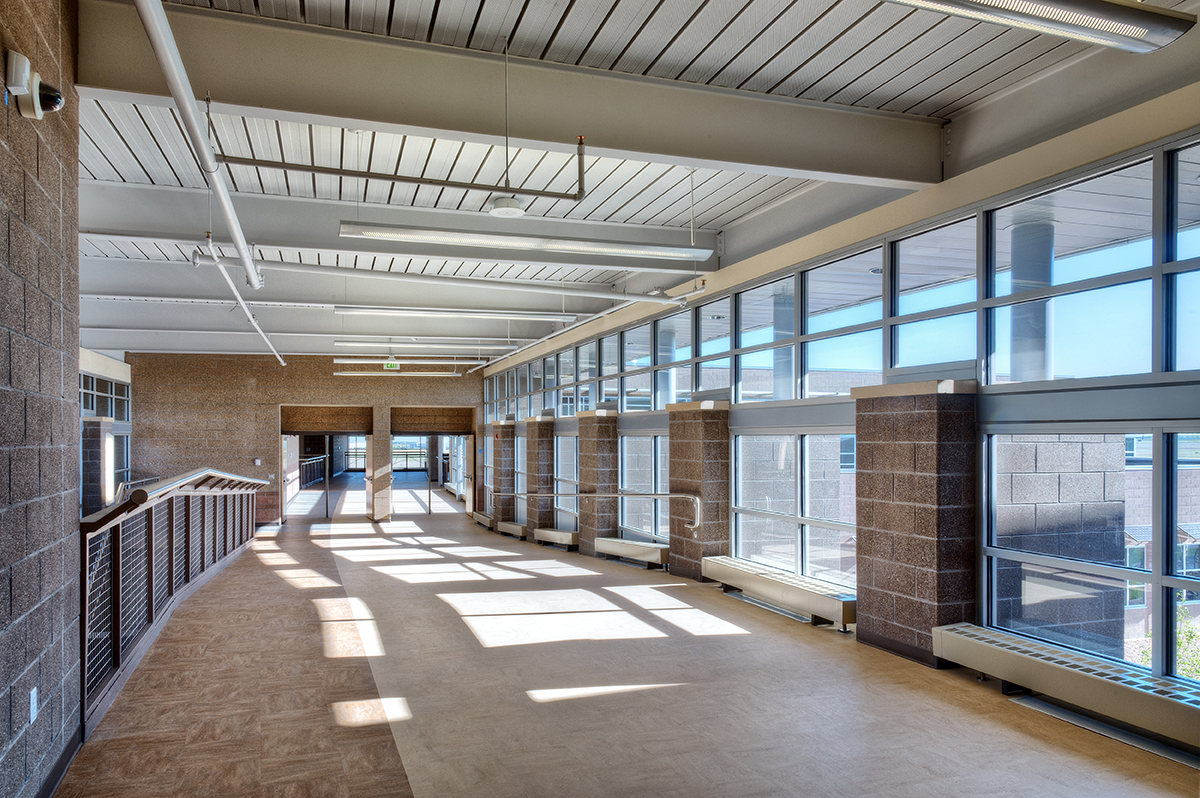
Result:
[[91, 450], [505, 475], [597, 474], [916, 510], [699, 446], [39, 407]]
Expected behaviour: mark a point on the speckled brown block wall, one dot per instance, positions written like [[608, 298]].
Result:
[[597, 474], [916, 519], [505, 465], [39, 406], [539, 465], [699, 446], [297, 420], [380, 469], [225, 410], [417, 420]]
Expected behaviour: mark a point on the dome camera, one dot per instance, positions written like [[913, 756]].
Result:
[[42, 97]]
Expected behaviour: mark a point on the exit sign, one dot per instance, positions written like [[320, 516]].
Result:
[[391, 366]]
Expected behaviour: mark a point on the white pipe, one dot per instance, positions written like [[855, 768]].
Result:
[[245, 309], [465, 282], [154, 18]]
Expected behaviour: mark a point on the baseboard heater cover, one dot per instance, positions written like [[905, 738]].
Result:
[[1162, 706]]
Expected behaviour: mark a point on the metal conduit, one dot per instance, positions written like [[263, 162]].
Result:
[[698, 510], [154, 18], [242, 304]]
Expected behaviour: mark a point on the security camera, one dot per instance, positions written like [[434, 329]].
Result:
[[42, 97], [34, 98]]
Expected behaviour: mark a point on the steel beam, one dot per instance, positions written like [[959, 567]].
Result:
[[276, 69]]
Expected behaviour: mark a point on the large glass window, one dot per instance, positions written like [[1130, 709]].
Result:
[[801, 520], [1074, 335], [587, 361], [1187, 321], [674, 338], [767, 313], [636, 393], [715, 322], [644, 469], [936, 269], [610, 355], [714, 374], [521, 473], [844, 293], [566, 480], [1098, 227], [566, 367], [637, 348], [945, 339], [832, 366], [673, 385], [1187, 203], [766, 375]]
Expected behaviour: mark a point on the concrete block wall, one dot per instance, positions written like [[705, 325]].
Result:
[[917, 464], [39, 407], [95, 430], [225, 410], [598, 473], [504, 462], [539, 465], [699, 446]]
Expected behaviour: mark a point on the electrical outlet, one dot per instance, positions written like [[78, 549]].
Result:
[[33, 705]]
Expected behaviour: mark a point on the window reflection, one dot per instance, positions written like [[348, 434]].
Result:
[[936, 269]]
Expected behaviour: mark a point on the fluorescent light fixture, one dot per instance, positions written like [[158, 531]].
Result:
[[523, 315], [523, 243], [418, 345], [397, 373], [407, 361], [1131, 26]]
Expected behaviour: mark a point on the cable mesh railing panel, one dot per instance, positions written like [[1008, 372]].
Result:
[[99, 585], [135, 610], [162, 555], [180, 554]]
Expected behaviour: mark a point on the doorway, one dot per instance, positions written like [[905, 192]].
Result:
[[324, 476]]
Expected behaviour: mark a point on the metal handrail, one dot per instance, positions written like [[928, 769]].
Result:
[[102, 519], [696, 506], [130, 484]]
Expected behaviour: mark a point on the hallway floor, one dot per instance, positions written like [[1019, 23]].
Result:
[[348, 658]]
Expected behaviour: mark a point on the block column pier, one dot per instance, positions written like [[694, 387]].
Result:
[[380, 467], [504, 473], [917, 460], [699, 447], [597, 474], [539, 465]]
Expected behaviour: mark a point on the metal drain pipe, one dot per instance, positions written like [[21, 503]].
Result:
[[242, 303], [154, 18]]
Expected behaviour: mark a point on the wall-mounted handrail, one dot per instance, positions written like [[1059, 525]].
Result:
[[698, 510], [106, 517]]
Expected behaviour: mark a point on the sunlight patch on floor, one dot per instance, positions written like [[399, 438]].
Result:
[[496, 572], [565, 693], [699, 622], [351, 543], [305, 578], [386, 555], [552, 568], [430, 573], [476, 551], [274, 558], [648, 598], [520, 602], [495, 631], [370, 712]]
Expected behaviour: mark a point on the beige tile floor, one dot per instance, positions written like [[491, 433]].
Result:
[[493, 667]]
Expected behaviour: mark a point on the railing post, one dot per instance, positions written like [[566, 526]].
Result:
[[171, 547], [187, 538], [150, 562], [115, 599]]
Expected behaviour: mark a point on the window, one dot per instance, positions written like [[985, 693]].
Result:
[[637, 348], [586, 359], [674, 336], [936, 270], [104, 398], [644, 469], [799, 519], [672, 385], [766, 375], [566, 480], [1187, 203], [767, 313], [521, 471], [835, 365], [945, 339], [714, 321], [1073, 336], [844, 293], [489, 471], [610, 355], [1187, 320]]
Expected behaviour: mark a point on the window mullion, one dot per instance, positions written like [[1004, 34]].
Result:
[[1161, 606]]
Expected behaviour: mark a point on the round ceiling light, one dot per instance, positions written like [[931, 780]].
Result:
[[506, 208]]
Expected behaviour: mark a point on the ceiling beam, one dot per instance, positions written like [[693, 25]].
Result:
[[296, 223], [258, 67]]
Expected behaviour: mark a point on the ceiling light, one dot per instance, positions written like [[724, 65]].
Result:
[[409, 361], [523, 315], [506, 207], [460, 238], [397, 374], [1130, 26], [390, 344]]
